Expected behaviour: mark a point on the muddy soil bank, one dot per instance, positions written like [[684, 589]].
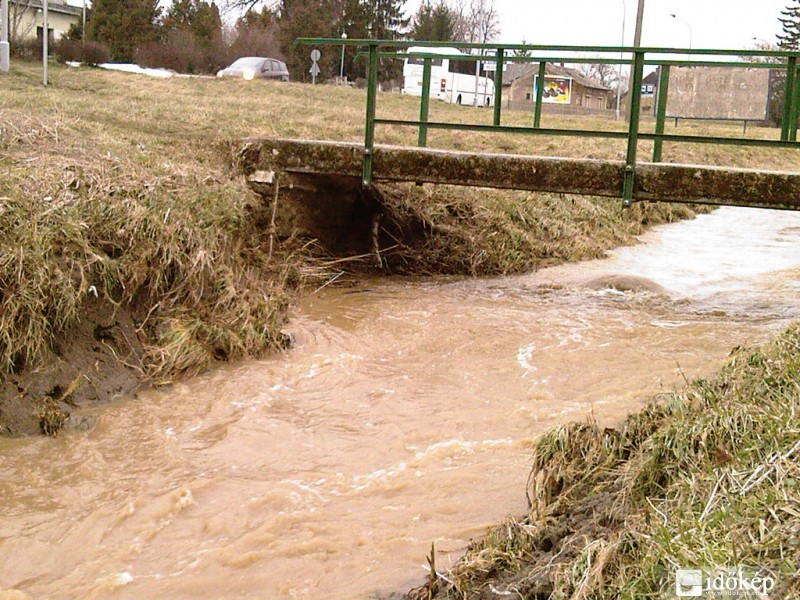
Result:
[[92, 362]]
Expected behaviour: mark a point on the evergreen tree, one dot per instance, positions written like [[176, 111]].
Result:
[[196, 17], [123, 25], [259, 20], [387, 22], [790, 21], [434, 22], [308, 18], [354, 21]]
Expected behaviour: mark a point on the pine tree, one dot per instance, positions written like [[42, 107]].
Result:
[[354, 21], [308, 18], [123, 25], [790, 21], [387, 22], [433, 22], [195, 16]]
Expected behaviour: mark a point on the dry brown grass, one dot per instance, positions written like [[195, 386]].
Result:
[[113, 184]]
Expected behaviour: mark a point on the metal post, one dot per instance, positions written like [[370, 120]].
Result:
[[45, 41], [661, 111], [793, 115], [537, 109], [498, 86], [341, 66], [477, 81], [788, 97], [4, 47], [369, 129], [424, 103], [633, 131], [637, 36], [621, 57]]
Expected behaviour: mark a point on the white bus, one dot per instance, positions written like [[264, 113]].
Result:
[[452, 80]]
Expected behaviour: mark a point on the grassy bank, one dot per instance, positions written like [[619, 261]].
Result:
[[707, 477], [129, 242]]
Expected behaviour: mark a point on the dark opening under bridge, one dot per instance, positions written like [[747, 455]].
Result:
[[631, 179]]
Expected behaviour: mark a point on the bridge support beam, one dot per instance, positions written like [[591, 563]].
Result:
[[310, 160]]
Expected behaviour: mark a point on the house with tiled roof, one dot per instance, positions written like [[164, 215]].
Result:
[[563, 87], [26, 19]]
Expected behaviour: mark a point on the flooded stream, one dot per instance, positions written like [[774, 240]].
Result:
[[402, 416]]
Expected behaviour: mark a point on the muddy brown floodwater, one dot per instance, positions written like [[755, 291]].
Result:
[[403, 416]]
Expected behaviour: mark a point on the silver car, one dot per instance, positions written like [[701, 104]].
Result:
[[256, 67]]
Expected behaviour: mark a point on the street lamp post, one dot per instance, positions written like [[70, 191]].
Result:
[[689, 27], [341, 67], [621, 57], [4, 48]]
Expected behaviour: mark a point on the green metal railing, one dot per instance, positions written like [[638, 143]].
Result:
[[373, 50]]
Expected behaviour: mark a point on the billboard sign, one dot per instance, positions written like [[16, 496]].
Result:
[[557, 90]]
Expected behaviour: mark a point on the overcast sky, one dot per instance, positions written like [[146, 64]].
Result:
[[724, 24]]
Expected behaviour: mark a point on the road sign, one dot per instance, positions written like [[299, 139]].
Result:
[[314, 70], [490, 65]]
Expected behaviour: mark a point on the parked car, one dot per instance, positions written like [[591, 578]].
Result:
[[256, 67]]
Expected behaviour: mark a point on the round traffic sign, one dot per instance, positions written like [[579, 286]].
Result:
[[315, 55]]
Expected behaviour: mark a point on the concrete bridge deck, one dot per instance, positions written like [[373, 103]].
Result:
[[300, 159]]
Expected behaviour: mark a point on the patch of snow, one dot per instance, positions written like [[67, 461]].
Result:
[[130, 68]]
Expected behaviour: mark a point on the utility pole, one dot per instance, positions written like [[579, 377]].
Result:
[[621, 57], [83, 26], [637, 37], [637, 42], [45, 41], [4, 47]]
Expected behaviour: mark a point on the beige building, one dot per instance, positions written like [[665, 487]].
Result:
[[25, 18], [566, 90]]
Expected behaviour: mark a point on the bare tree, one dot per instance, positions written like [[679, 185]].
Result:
[[240, 7], [604, 74], [485, 19], [16, 12]]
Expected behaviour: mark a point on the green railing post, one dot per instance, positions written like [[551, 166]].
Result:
[[424, 103], [537, 109], [795, 112], [661, 111], [633, 131], [498, 86], [369, 129], [788, 98]]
